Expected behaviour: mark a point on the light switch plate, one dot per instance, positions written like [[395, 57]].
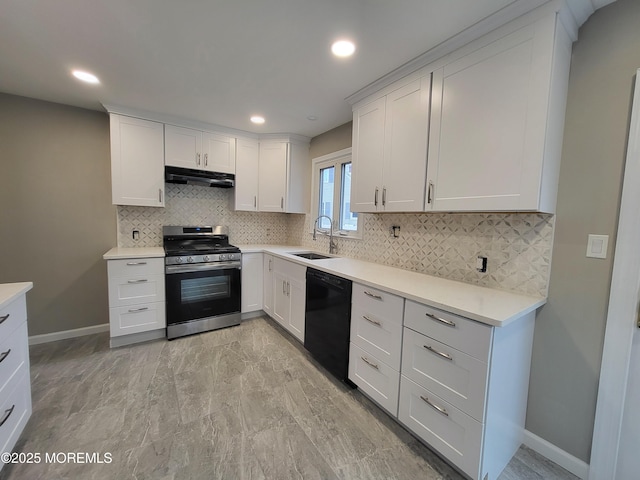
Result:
[[597, 246]]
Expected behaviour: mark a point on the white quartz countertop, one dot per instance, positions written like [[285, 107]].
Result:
[[10, 291], [486, 305], [118, 253]]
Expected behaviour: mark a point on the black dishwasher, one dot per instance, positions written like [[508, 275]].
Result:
[[328, 321]]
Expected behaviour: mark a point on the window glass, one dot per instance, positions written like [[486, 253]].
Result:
[[327, 190], [348, 220]]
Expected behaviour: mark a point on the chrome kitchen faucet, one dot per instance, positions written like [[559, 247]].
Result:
[[332, 245]]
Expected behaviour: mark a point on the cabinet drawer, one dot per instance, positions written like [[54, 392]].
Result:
[[454, 376], [375, 378], [12, 315], [14, 353], [15, 410], [385, 305], [470, 337], [377, 336], [137, 318], [136, 288], [454, 434], [135, 266]]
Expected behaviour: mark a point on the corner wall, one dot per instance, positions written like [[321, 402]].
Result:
[[56, 217]]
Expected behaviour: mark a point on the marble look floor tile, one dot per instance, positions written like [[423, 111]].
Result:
[[246, 402]]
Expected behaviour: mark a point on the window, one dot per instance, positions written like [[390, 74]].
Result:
[[332, 194]]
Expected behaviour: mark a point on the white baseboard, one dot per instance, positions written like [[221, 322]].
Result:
[[77, 332], [557, 455]]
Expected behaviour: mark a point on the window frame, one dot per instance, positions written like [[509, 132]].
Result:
[[336, 160]]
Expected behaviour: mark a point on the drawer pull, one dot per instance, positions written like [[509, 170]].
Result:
[[375, 322], [138, 281], [370, 363], [448, 323], [136, 310], [4, 317], [131, 264], [4, 355], [437, 352], [7, 414], [443, 411], [373, 295]]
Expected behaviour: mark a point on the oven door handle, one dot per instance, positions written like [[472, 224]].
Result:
[[201, 267]]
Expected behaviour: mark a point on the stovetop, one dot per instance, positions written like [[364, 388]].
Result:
[[204, 243]]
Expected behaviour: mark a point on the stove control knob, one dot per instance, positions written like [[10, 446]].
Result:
[[223, 257], [190, 259], [205, 258], [179, 260]]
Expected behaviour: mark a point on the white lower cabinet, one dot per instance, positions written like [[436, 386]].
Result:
[[15, 387], [267, 284], [453, 433], [136, 295], [376, 343], [287, 289], [252, 279]]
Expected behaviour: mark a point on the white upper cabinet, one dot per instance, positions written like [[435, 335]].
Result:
[[390, 149], [497, 119], [137, 161], [284, 173], [189, 148], [245, 196]]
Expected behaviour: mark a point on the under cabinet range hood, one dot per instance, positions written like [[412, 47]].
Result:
[[189, 176]]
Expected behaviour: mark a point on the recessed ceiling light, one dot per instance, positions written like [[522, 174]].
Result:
[[85, 76], [257, 119], [313, 118], [343, 48]]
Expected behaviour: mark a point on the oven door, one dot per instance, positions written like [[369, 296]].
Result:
[[201, 291]]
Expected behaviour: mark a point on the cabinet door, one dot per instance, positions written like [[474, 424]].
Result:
[[182, 147], [246, 189], [490, 124], [367, 158], [297, 291], [272, 176], [405, 147], [281, 302], [137, 161], [218, 153], [267, 287], [252, 264]]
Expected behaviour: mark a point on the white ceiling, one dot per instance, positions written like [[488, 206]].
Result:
[[220, 61]]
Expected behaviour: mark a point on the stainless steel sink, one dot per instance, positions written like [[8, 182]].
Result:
[[311, 255]]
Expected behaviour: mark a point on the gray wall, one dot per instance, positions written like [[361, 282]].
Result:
[[570, 327], [331, 141], [56, 217]]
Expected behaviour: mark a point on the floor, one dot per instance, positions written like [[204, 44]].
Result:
[[240, 403]]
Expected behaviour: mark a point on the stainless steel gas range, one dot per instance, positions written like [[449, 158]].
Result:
[[202, 278]]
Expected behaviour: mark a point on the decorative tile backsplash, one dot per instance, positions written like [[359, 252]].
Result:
[[195, 205], [518, 245]]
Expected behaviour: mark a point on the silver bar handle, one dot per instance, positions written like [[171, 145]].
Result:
[[4, 355], [206, 159], [137, 310], [375, 322], [131, 264], [372, 295], [270, 260], [197, 159], [442, 410], [160, 195], [142, 280], [384, 197], [4, 317], [284, 288], [430, 192], [448, 323], [255, 201], [375, 198], [7, 414], [282, 203], [437, 352], [288, 289], [370, 363]]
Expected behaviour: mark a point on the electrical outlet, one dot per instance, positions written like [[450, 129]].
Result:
[[136, 234], [481, 264]]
